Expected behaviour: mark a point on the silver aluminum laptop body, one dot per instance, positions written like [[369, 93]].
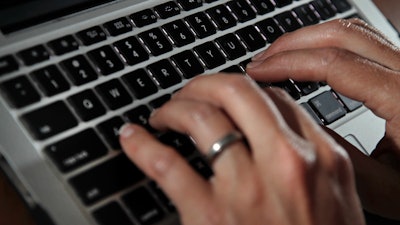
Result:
[[23, 155]]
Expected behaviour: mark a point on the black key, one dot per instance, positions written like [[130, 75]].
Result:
[[307, 87], [288, 21], [79, 70], [312, 113], [49, 120], [92, 35], [270, 29], [156, 41], [50, 80], [110, 131], [282, 3], [87, 105], [140, 115], [242, 10], [143, 206], [118, 26], [63, 45], [324, 9], [350, 104], [165, 73], [188, 63], [341, 5], [231, 45], [143, 18], [111, 214], [210, 1], [76, 151], [222, 17], [105, 179], [179, 142], [8, 64], [210, 55], [34, 55], [289, 87], [114, 94], [158, 102], [233, 69], [202, 167], [132, 51], [201, 25], [190, 4], [140, 83], [179, 33], [168, 9], [306, 14], [262, 6], [251, 38], [328, 107], [106, 61], [20, 92]]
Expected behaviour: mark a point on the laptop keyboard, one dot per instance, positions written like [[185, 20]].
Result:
[[81, 130]]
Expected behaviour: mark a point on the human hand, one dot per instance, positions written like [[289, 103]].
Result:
[[289, 172], [359, 62]]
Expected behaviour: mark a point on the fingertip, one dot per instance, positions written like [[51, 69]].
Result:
[[254, 64], [126, 131], [128, 137]]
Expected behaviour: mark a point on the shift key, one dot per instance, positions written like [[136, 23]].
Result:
[[106, 179], [328, 107]]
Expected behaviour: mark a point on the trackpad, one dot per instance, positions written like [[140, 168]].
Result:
[[363, 131]]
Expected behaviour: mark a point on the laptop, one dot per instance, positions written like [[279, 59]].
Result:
[[72, 72]]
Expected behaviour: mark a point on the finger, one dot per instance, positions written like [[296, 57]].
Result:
[[206, 124], [246, 104], [365, 25], [344, 71], [346, 34], [166, 167]]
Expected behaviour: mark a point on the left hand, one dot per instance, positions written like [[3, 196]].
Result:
[[289, 172]]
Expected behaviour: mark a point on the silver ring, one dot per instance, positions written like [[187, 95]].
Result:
[[219, 146]]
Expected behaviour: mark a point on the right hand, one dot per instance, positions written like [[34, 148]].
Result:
[[359, 62]]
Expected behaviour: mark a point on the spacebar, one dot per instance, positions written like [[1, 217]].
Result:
[[106, 179]]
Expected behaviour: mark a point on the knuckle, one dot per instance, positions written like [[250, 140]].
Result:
[[201, 112], [338, 164], [234, 85], [342, 27], [296, 165], [330, 56], [161, 165], [213, 216]]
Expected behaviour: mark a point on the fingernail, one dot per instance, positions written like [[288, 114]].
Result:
[[126, 131], [254, 64]]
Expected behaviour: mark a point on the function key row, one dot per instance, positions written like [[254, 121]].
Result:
[[95, 34], [221, 15]]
